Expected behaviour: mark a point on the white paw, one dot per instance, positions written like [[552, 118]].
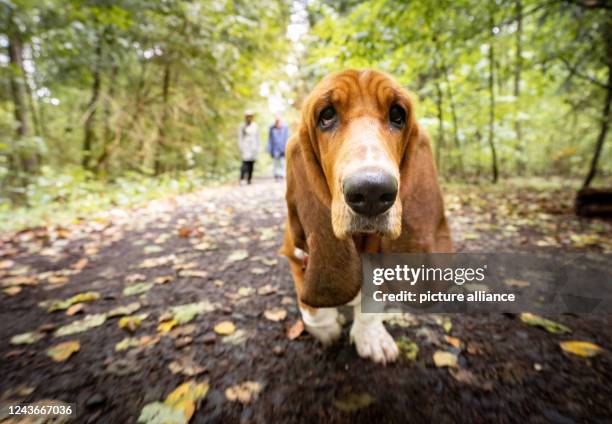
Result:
[[373, 342], [326, 334], [324, 324]]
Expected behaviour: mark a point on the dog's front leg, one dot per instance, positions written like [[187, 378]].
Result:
[[370, 335]]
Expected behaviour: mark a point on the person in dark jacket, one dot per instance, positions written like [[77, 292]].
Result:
[[277, 141]]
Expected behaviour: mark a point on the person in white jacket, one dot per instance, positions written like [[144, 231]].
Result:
[[248, 143]]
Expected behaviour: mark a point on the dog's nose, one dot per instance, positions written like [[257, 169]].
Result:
[[370, 193]]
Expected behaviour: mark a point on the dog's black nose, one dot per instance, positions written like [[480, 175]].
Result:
[[370, 193]]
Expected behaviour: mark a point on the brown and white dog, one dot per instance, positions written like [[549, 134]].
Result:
[[360, 178]]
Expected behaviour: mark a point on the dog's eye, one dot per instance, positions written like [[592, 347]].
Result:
[[327, 118], [397, 116]]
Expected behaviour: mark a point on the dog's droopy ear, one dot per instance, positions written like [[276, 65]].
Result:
[[333, 274], [424, 226]]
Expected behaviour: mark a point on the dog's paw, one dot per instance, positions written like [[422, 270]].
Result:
[[374, 342], [324, 324], [326, 334]]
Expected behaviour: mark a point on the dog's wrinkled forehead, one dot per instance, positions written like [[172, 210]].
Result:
[[356, 93]]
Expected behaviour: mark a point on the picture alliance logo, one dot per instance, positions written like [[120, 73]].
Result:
[[414, 275]]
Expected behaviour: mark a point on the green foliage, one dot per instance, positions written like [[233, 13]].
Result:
[[130, 86], [439, 50]]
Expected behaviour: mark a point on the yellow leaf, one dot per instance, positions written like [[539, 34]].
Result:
[[63, 351], [550, 326], [584, 349], [275, 314], [185, 396], [444, 359], [131, 323], [166, 326], [225, 328], [453, 341], [244, 392]]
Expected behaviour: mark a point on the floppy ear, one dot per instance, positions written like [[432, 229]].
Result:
[[333, 274], [424, 226]]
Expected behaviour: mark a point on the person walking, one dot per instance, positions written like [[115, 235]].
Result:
[[277, 141], [248, 144]]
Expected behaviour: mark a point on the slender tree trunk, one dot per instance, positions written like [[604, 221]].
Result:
[[494, 167], [161, 135], [21, 160], [455, 120], [90, 120], [440, 144], [518, 68], [603, 132], [107, 139]]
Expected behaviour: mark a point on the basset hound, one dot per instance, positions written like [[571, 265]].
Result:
[[360, 178]]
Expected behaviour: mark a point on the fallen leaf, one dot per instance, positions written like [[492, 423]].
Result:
[[128, 309], [353, 402], [408, 349], [295, 330], [90, 321], [80, 264], [185, 313], [155, 262], [12, 291], [134, 278], [26, 338], [75, 309], [537, 321], [132, 323], [6, 263], [444, 359], [130, 342], [178, 407], [266, 290], [165, 326], [137, 288], [193, 273], [275, 314], [225, 328], [239, 337], [245, 291], [258, 271], [57, 279], [184, 232], [163, 279], [244, 392], [153, 249], [516, 283], [61, 352], [78, 298], [237, 255], [453, 341], [580, 348], [186, 366]]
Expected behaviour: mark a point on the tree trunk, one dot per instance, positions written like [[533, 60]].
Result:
[[22, 160], [161, 135], [107, 140], [440, 143], [90, 120], [453, 109], [518, 68], [494, 168], [603, 132]]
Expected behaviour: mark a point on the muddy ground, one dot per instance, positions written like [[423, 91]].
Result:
[[507, 371]]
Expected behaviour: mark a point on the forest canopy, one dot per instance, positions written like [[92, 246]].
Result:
[[93, 92]]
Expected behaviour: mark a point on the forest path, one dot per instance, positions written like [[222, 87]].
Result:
[[216, 252]]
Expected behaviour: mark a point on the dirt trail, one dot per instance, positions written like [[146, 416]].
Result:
[[218, 246]]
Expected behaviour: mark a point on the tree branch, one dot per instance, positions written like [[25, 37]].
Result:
[[574, 72]]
